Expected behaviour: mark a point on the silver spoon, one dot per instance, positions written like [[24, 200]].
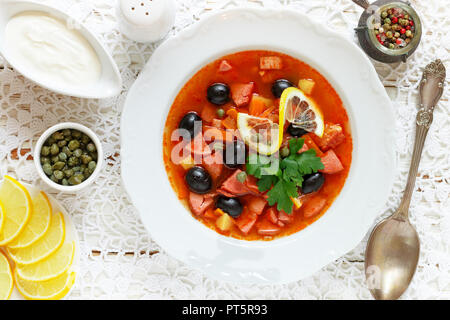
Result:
[[393, 249]]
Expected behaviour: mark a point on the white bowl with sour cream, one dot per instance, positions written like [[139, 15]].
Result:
[[50, 48]]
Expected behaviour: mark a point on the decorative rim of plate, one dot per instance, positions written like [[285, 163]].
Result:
[[235, 260]]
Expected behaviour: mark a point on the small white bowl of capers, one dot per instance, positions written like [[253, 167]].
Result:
[[68, 156]]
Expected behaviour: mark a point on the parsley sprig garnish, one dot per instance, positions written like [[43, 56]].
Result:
[[283, 177]]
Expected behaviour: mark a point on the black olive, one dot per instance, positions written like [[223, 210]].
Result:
[[188, 123], [234, 154], [218, 94], [313, 182], [198, 180], [296, 132], [232, 206], [279, 86]]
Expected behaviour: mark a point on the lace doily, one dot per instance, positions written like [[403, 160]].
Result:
[[120, 260]]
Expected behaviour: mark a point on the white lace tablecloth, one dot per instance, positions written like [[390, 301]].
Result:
[[118, 258]]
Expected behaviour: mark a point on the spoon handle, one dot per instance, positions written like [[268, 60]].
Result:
[[430, 91], [362, 3]]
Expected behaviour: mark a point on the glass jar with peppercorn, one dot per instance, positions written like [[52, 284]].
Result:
[[388, 31]]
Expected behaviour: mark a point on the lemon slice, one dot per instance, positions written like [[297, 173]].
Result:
[[6, 278], [53, 289], [2, 216], [17, 209], [37, 225], [301, 111], [261, 134], [49, 268], [41, 249]]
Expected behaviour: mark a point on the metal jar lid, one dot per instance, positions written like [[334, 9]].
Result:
[[367, 37]]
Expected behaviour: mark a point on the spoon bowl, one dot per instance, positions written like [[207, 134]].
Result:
[[110, 82], [391, 258]]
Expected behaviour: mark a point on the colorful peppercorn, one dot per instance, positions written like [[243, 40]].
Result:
[[395, 30]]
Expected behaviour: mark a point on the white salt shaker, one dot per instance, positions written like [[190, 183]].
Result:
[[145, 20]]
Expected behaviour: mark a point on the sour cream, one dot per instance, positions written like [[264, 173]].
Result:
[[50, 51]]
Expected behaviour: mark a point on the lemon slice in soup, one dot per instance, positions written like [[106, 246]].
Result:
[[260, 134], [301, 111]]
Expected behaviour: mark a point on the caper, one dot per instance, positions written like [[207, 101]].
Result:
[[54, 159], [51, 141], [45, 151], [47, 167], [74, 144], [91, 147], [58, 174], [77, 153], [54, 179], [73, 161], [86, 173], [45, 160], [85, 139], [58, 165], [65, 182], [220, 112], [76, 169], [57, 135], [284, 152], [94, 155], [68, 173], [76, 179], [86, 159], [76, 134], [62, 156], [92, 165], [67, 151], [62, 143], [66, 132], [54, 149]]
